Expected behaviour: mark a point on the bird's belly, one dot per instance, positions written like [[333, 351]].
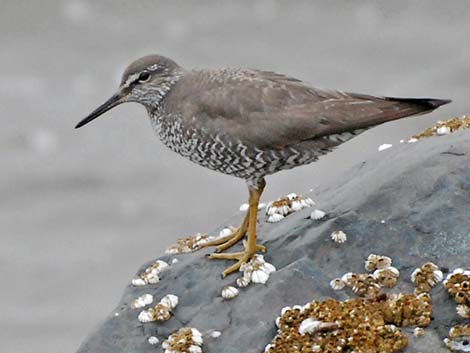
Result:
[[229, 156]]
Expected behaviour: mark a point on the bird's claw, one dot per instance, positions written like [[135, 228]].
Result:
[[241, 257]]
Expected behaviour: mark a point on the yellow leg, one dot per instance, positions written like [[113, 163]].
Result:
[[251, 247], [231, 239]]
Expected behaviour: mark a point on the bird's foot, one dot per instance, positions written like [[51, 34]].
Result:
[[240, 257], [226, 241]]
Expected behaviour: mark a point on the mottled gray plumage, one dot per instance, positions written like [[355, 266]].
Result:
[[251, 123]]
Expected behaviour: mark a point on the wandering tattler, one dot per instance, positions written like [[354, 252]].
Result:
[[249, 124]]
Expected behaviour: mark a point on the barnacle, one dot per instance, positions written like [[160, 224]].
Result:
[[418, 332], [375, 262], [186, 339], [229, 292], [337, 284], [459, 338], [161, 312], [275, 217], [426, 277], [457, 284], [361, 325], [317, 214], [387, 277], [142, 301], [153, 340], [444, 127], [215, 334], [287, 205], [363, 284], [150, 274], [463, 310], [339, 236], [257, 270], [192, 243]]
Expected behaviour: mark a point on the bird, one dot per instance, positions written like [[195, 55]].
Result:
[[249, 123]]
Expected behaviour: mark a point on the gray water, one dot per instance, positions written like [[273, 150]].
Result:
[[80, 210]]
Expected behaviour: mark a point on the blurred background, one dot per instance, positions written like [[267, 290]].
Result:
[[80, 210]]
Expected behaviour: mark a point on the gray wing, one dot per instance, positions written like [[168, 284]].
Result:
[[270, 110]]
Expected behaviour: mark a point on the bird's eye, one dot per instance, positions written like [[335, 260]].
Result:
[[144, 76]]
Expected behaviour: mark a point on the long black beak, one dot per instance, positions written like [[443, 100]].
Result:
[[103, 108]]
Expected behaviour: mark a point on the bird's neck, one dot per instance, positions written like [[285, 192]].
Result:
[[154, 99]]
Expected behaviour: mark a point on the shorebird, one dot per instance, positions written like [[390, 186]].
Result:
[[249, 124]]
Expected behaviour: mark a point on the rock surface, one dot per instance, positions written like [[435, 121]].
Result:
[[410, 202]]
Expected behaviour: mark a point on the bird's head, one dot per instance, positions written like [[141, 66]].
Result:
[[145, 81]]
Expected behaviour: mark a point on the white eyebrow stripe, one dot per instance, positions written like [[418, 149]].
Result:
[[131, 79]]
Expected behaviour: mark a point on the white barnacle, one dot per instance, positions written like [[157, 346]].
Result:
[[285, 309], [412, 140], [275, 217], [196, 336], [259, 276], [384, 146], [153, 340], [349, 278], [438, 276], [338, 236], [390, 271], [215, 334], [268, 347], [142, 301], [317, 214], [337, 284], [161, 266], [268, 268], [138, 282], [417, 272], [292, 196], [243, 282], [229, 292], [296, 205], [170, 301], [174, 261], [443, 130], [194, 349], [146, 316], [463, 311], [418, 332]]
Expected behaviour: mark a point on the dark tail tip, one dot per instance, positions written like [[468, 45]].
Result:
[[424, 103]]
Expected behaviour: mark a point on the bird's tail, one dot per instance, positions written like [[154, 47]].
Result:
[[421, 105]]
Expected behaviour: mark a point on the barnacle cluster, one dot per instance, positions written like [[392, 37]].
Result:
[[457, 284], [277, 210], [150, 274], [369, 284], [257, 270], [426, 277], [360, 325], [185, 340], [459, 338], [444, 127], [193, 242], [161, 312]]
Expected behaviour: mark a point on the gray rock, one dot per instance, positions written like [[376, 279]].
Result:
[[409, 202]]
